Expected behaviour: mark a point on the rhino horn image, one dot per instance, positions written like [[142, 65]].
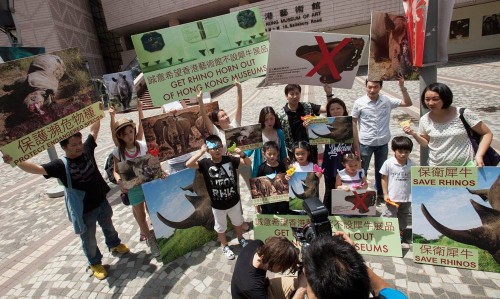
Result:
[[487, 236], [310, 186], [202, 215], [340, 130]]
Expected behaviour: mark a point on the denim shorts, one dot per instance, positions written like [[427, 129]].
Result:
[[135, 195]]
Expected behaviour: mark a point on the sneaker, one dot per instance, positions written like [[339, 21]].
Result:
[[228, 252], [153, 245], [122, 248], [98, 271], [243, 242]]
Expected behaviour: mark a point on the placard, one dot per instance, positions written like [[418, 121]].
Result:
[[330, 130], [359, 202], [244, 138], [121, 91], [269, 189]]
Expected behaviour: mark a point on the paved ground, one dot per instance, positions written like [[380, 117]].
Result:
[[41, 258]]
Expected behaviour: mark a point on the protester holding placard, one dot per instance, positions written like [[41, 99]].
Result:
[[372, 113], [292, 114], [221, 180], [131, 146], [442, 131], [85, 195], [396, 182]]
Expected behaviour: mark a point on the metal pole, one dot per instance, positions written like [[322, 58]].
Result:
[[428, 75]]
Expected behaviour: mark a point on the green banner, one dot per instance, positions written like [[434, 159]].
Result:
[[460, 257], [207, 54], [371, 235], [444, 176], [41, 139]]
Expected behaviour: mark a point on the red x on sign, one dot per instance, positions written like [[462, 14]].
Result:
[[328, 57], [360, 201]]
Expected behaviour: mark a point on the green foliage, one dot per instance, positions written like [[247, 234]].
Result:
[[184, 241]]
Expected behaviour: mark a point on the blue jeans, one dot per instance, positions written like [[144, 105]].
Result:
[[102, 215], [381, 153]]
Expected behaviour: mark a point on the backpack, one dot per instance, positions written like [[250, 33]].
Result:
[[109, 167]]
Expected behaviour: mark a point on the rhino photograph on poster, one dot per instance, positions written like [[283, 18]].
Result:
[[121, 91], [330, 130]]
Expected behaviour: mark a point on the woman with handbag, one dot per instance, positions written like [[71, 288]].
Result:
[[443, 130]]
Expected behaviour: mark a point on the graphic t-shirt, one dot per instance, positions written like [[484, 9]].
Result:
[[221, 181]]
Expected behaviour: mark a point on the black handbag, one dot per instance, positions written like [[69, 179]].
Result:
[[491, 157], [125, 200]]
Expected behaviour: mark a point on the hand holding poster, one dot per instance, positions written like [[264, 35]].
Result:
[[207, 54], [244, 138], [45, 99], [330, 130], [314, 58], [269, 189], [456, 216], [121, 91], [177, 132]]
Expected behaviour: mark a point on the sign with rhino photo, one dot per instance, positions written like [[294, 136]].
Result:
[[180, 210], [176, 133], [139, 170], [43, 100], [13, 53], [314, 58], [302, 185], [121, 91], [371, 235], [207, 54], [456, 217], [268, 189], [390, 49], [244, 138], [359, 202], [330, 130]]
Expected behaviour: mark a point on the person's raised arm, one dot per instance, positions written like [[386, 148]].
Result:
[[140, 129], [486, 137], [422, 139], [193, 161], [94, 128], [329, 95], [406, 102], [239, 102], [206, 120], [112, 119], [26, 166], [244, 159]]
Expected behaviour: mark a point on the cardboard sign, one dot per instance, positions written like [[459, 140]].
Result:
[[302, 185], [181, 213], [244, 138], [456, 216], [371, 235], [330, 130], [139, 170], [269, 189], [171, 135], [45, 99], [121, 91], [314, 58], [209, 53], [389, 49], [359, 202]]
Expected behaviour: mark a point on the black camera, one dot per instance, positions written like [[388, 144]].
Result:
[[319, 225]]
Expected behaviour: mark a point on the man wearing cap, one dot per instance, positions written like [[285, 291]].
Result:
[[94, 207]]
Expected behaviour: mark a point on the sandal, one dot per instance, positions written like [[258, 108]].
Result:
[[142, 237]]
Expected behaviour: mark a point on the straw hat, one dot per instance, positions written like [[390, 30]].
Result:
[[123, 122]]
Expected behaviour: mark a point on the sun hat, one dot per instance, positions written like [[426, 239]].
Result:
[[123, 122]]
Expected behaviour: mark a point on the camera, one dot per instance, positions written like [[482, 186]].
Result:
[[319, 225]]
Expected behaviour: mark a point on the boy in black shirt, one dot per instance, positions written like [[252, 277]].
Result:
[[221, 180]]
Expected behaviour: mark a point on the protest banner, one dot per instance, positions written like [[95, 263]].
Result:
[[44, 99], [330, 130], [416, 20], [456, 216], [371, 235], [244, 138], [358, 202], [13, 53], [314, 58], [389, 49], [139, 170], [121, 91], [182, 221], [173, 134], [269, 189], [302, 185], [208, 54]]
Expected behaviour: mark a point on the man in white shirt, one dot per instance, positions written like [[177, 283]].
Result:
[[372, 113]]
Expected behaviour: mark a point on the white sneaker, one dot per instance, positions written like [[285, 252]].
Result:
[[153, 245], [228, 252]]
